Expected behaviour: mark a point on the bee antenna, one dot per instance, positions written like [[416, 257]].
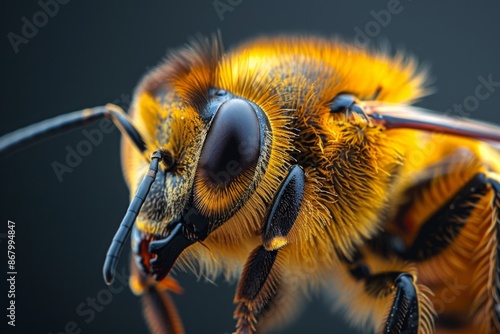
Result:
[[19, 139], [128, 221]]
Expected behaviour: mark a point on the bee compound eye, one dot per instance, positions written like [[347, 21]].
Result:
[[232, 145]]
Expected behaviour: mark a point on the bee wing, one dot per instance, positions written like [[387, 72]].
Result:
[[393, 116]]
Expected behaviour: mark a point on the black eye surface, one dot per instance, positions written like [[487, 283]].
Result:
[[232, 145]]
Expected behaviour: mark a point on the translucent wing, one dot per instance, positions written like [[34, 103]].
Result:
[[395, 116]]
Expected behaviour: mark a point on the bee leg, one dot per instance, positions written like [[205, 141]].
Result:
[[257, 286], [159, 309], [404, 313], [410, 310], [263, 308], [403, 316], [283, 306], [263, 270]]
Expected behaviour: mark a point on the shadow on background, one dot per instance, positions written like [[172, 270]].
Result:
[[90, 53]]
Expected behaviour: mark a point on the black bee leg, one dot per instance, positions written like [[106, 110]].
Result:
[[256, 288], [403, 316], [409, 308], [263, 270], [283, 305]]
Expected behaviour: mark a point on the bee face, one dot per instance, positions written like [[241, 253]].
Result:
[[218, 154], [219, 143]]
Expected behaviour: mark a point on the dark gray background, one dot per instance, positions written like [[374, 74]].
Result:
[[91, 53]]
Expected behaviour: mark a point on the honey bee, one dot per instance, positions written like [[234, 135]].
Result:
[[298, 164]]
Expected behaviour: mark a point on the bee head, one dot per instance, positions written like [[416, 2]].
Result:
[[215, 148]]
